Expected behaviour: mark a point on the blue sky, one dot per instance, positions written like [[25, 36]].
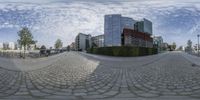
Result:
[[175, 20]]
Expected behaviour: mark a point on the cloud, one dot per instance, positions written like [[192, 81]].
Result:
[[65, 19]]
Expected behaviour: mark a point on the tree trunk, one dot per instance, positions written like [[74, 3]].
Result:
[[20, 52], [24, 51]]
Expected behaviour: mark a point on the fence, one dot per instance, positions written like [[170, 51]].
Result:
[[10, 54], [30, 54]]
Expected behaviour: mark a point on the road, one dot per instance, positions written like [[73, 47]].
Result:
[[81, 76]]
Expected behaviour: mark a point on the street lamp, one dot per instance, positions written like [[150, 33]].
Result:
[[198, 44]]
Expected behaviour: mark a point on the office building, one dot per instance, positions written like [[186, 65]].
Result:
[[113, 28], [98, 41], [134, 38], [115, 24], [83, 41], [144, 26]]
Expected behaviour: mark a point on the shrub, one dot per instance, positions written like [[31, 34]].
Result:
[[123, 51], [116, 51], [134, 52]]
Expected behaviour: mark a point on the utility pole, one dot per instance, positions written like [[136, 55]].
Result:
[[198, 44]]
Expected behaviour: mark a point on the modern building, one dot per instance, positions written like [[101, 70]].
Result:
[[158, 42], [115, 24], [82, 42], [131, 37], [98, 41], [144, 26], [113, 28]]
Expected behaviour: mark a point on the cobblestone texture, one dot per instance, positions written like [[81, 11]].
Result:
[[77, 76]]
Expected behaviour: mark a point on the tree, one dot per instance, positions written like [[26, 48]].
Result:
[[68, 48], [58, 44], [189, 46], [42, 50], [195, 47], [170, 47], [25, 38], [180, 48], [43, 47], [173, 45]]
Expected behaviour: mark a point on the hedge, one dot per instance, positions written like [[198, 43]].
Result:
[[123, 51]]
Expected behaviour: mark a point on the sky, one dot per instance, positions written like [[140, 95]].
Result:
[[174, 20]]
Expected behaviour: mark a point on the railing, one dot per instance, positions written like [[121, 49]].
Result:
[[31, 54], [10, 54]]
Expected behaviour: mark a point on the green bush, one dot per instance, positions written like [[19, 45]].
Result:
[[116, 51], [123, 51], [150, 52], [134, 52]]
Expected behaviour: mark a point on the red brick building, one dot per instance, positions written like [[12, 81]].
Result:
[[132, 37]]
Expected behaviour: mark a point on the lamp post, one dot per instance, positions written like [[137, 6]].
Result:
[[198, 44]]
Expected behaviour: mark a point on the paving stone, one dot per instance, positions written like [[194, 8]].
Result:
[[82, 76]]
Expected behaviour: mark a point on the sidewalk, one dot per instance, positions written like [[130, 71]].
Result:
[[18, 64], [192, 58]]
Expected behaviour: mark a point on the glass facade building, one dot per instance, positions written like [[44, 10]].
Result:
[[114, 25], [113, 28], [144, 26]]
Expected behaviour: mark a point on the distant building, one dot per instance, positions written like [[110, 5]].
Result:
[[12, 45], [98, 41], [32, 47], [22, 48], [83, 41], [158, 42], [1, 45], [183, 48], [134, 38], [113, 28], [164, 46], [5, 46]]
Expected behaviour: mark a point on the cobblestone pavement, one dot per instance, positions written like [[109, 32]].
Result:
[[77, 76]]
